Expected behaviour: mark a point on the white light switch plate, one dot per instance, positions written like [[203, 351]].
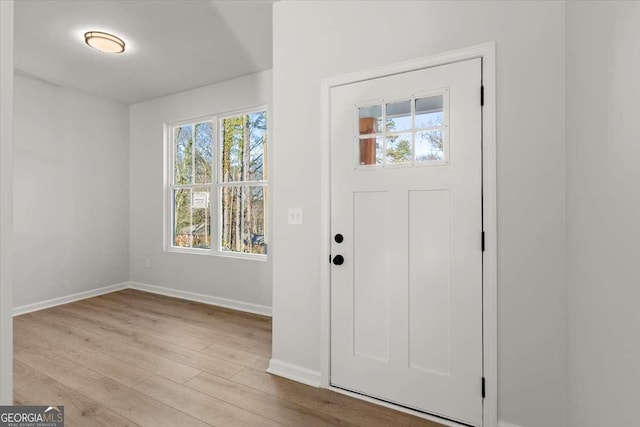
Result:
[[295, 216]]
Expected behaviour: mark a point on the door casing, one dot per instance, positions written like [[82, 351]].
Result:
[[489, 215]]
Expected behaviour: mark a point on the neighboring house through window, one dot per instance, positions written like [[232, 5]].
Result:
[[217, 192]]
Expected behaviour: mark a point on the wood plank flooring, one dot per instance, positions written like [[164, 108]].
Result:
[[132, 358]]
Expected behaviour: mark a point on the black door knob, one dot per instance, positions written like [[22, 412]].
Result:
[[338, 238], [338, 260]]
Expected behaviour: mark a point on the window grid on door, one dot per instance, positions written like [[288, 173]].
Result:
[[403, 132]]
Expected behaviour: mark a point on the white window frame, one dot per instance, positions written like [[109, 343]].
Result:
[[214, 187]]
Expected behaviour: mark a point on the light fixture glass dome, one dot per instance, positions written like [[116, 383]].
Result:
[[104, 42]]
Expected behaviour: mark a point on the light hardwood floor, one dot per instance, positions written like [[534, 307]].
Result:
[[134, 358]]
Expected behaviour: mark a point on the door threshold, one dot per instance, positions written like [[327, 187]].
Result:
[[400, 408]]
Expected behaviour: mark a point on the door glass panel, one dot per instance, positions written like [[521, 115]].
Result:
[[379, 150], [371, 150], [399, 148], [429, 112], [429, 145], [399, 116], [410, 132], [370, 119]]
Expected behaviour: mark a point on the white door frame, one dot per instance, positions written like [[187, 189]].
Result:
[[489, 212], [6, 196]]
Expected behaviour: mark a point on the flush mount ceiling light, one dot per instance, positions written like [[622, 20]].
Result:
[[104, 42]]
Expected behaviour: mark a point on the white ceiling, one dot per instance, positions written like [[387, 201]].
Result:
[[172, 46]]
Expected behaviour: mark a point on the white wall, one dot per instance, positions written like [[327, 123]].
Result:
[[603, 210], [314, 40], [6, 201], [231, 278], [71, 201]]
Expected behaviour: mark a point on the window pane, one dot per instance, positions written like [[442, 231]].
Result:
[[182, 218], [203, 155], [429, 112], [253, 208], [183, 145], [258, 145], [243, 219], [399, 149], [429, 146], [231, 212], [200, 229], [233, 129], [370, 151], [399, 116], [370, 119], [192, 218], [244, 147]]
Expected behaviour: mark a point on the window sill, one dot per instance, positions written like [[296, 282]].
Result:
[[221, 254]]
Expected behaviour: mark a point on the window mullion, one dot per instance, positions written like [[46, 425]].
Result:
[[244, 183], [384, 134], [245, 152], [193, 153], [245, 175], [214, 198], [191, 217], [413, 131]]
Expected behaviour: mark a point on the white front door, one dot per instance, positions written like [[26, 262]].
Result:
[[406, 221]]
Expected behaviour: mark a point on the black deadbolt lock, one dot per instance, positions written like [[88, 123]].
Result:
[[338, 238]]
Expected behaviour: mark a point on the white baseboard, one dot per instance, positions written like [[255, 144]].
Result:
[[506, 424], [205, 299], [294, 372], [191, 296], [17, 311]]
